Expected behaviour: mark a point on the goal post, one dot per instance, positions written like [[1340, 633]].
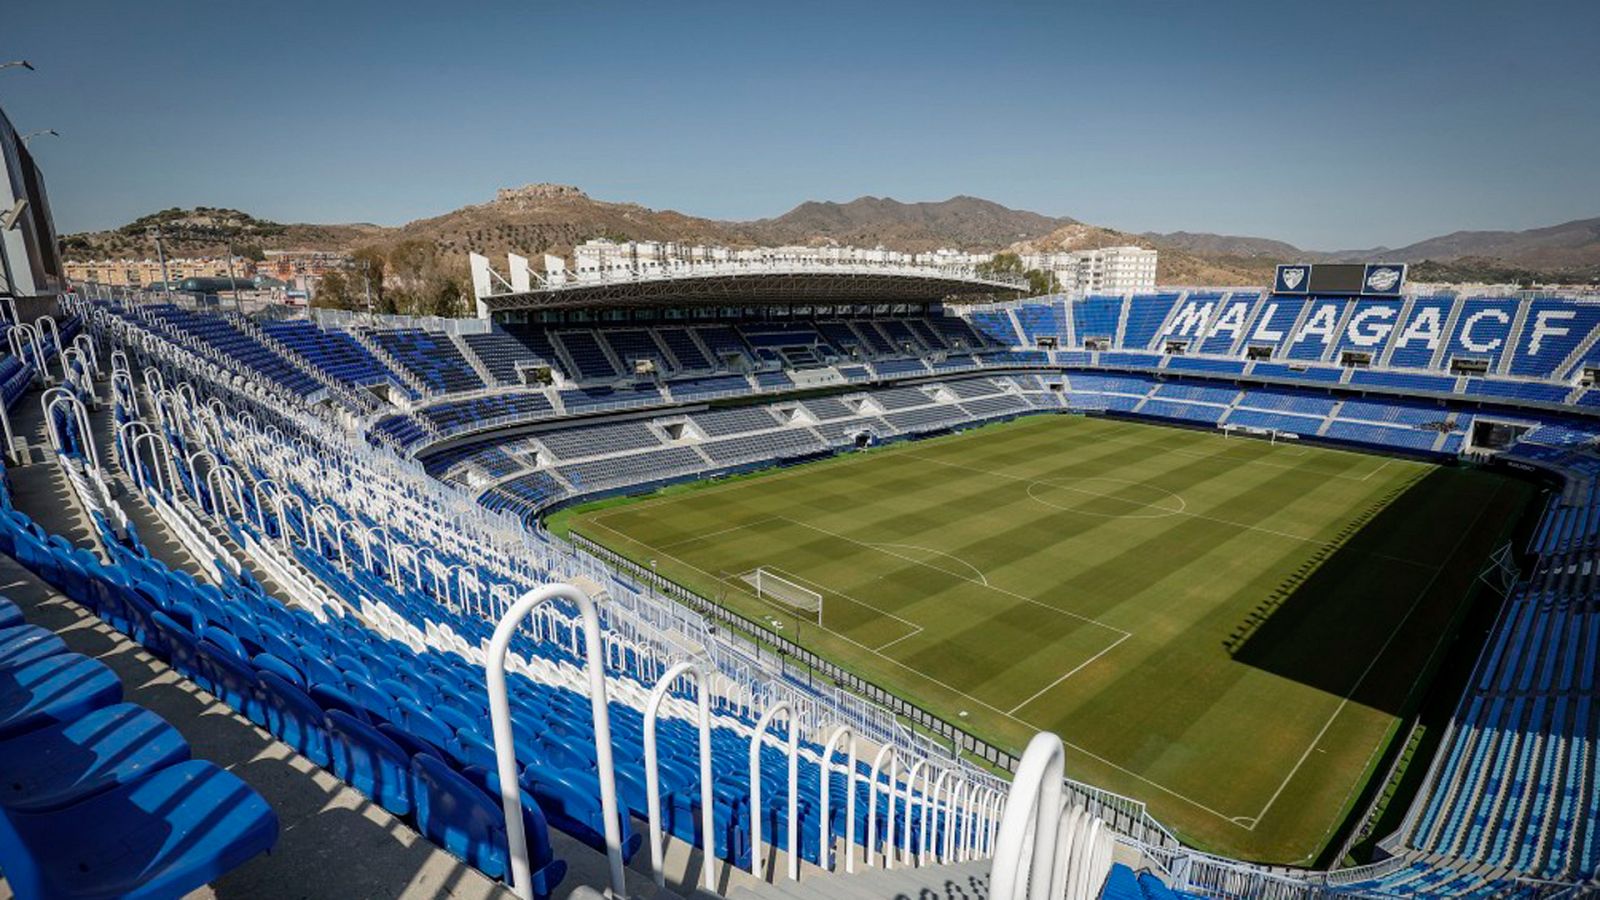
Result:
[[785, 592]]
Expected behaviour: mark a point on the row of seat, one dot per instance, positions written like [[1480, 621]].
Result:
[[383, 693], [1408, 333], [434, 705], [259, 657], [635, 453], [1124, 884], [101, 798]]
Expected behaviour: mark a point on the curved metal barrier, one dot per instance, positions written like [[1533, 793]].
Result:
[[505, 752]]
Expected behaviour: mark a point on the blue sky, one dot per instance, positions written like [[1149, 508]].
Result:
[[1331, 125]]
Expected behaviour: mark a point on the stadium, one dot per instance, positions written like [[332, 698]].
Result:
[[792, 576], [1149, 523]]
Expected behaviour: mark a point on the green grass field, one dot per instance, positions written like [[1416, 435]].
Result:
[[1225, 629]]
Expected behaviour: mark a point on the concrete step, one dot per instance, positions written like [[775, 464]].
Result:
[[959, 881]]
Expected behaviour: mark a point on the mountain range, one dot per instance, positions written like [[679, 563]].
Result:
[[548, 218]]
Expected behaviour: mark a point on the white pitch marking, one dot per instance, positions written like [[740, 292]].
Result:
[[720, 531], [983, 703], [1013, 594], [982, 578], [1162, 511], [1223, 458], [725, 580], [1377, 470], [1031, 482], [819, 586], [1074, 671], [1393, 633], [882, 647]]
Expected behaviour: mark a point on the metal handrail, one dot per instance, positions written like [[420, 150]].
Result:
[[1034, 812], [825, 833], [872, 807], [652, 772], [504, 747], [756, 866]]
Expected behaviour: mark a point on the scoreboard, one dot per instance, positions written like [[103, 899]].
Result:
[[1363, 279]]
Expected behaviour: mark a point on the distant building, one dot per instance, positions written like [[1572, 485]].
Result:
[[1112, 270], [128, 272], [602, 255], [301, 270]]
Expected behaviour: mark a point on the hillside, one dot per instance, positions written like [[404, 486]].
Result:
[[1570, 245], [1174, 265], [551, 218], [969, 223], [1228, 245], [211, 231], [1569, 251]]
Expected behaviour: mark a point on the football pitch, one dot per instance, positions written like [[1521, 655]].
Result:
[[1225, 629]]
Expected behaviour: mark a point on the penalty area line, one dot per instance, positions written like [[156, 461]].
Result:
[[918, 673], [880, 548], [1073, 671]]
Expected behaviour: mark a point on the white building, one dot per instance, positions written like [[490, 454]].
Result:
[[1111, 270], [600, 255]]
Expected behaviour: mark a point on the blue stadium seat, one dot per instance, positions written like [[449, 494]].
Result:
[[162, 836], [369, 762], [463, 818], [27, 643], [10, 615], [1121, 884], [59, 688], [1146, 313], [1096, 317], [570, 800], [62, 764], [294, 718]]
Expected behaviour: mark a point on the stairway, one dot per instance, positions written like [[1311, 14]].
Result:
[[958, 881], [387, 359], [358, 401], [473, 360]]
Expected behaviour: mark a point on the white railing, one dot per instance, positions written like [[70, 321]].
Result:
[[504, 749], [824, 829], [1047, 850], [652, 772], [757, 869]]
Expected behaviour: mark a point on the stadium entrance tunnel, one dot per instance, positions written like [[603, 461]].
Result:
[[1372, 611]]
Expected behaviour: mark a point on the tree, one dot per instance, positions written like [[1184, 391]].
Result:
[[333, 292], [370, 264], [446, 298], [1001, 264], [410, 268], [1041, 282]]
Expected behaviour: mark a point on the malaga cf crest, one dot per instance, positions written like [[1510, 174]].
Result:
[[1292, 279]]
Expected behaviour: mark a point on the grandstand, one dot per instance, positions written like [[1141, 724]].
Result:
[[361, 500]]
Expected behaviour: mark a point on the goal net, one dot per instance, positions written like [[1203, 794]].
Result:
[[784, 592]]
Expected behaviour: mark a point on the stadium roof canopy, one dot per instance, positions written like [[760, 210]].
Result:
[[734, 283]]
